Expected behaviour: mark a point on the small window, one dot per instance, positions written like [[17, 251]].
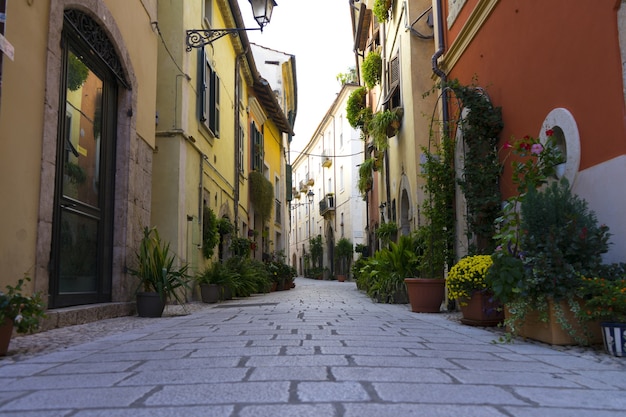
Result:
[[256, 139], [209, 91]]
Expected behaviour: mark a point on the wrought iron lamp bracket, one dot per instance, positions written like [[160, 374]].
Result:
[[197, 38]]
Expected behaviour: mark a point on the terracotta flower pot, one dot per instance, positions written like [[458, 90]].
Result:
[[481, 310], [6, 331], [425, 295], [551, 332]]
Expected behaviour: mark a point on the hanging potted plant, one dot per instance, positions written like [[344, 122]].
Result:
[[381, 10], [159, 279], [366, 179], [357, 113], [372, 68]]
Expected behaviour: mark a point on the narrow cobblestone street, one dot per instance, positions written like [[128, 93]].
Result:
[[321, 349]]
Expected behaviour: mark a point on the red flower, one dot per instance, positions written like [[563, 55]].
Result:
[[525, 146], [549, 132], [507, 145]]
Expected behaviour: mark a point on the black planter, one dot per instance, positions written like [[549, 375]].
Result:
[[210, 293], [149, 304]]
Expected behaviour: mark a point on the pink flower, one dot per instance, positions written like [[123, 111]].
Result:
[[507, 145], [536, 149]]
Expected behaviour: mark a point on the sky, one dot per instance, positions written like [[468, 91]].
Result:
[[319, 34]]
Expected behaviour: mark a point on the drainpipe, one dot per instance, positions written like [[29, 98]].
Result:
[[237, 129], [435, 65]]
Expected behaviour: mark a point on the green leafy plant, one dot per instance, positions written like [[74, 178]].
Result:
[[366, 179], [382, 275], [372, 69], [384, 124], [438, 209], [344, 251], [241, 246], [75, 173], [468, 276], [560, 241], [381, 10], [480, 123], [210, 233], [261, 194], [156, 268], [605, 298], [356, 111], [316, 249], [25, 311], [386, 232]]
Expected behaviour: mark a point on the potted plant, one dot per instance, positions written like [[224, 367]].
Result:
[[344, 250], [383, 275], [366, 179], [372, 68], [466, 284], [18, 311], [357, 113], [385, 124], [560, 242], [427, 290], [381, 10], [605, 301], [386, 232], [216, 283], [159, 278]]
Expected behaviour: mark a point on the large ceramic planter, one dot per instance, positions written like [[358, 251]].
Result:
[[425, 295], [210, 293], [614, 337], [341, 278], [551, 332], [481, 309], [6, 331], [149, 304]]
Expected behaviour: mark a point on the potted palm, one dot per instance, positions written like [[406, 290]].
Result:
[[344, 250], [18, 311], [159, 278]]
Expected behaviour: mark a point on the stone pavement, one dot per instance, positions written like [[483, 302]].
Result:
[[322, 349]]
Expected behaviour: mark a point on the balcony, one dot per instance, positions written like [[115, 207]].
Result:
[[327, 205], [303, 186], [326, 159]]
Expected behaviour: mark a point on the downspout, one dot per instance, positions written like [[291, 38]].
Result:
[[435, 64], [237, 130]]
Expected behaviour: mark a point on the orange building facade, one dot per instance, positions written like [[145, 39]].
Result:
[[552, 64]]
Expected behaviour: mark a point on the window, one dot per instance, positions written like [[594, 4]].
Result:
[[341, 186], [256, 141], [209, 91], [341, 131], [240, 150], [208, 11], [393, 96]]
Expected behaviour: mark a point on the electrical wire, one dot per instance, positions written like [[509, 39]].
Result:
[[156, 26], [328, 156]]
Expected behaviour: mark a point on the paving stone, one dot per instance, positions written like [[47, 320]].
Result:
[[324, 392]]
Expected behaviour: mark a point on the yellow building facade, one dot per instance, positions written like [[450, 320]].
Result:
[[76, 143]]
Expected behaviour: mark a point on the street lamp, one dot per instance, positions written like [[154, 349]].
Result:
[[309, 196], [261, 10], [382, 211]]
